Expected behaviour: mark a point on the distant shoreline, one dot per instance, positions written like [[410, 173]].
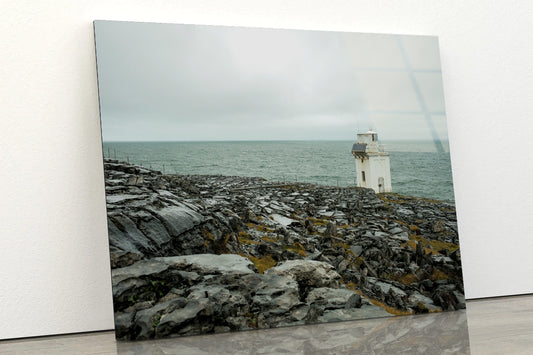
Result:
[[275, 184], [416, 168]]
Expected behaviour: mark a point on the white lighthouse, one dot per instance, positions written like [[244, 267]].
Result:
[[372, 163]]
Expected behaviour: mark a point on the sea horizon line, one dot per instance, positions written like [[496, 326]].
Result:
[[264, 140]]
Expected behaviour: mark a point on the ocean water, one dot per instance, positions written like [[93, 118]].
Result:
[[417, 168]]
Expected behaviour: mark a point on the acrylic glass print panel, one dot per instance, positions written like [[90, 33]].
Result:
[[259, 178]]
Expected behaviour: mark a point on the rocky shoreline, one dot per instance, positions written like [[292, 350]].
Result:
[[200, 254]]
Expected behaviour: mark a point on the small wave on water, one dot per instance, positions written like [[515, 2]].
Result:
[[408, 181]]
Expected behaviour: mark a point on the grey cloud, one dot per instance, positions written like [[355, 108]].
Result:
[[172, 80]]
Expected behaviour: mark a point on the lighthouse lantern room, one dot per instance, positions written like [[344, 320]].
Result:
[[372, 163]]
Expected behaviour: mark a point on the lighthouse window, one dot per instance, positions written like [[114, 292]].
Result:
[[363, 175]]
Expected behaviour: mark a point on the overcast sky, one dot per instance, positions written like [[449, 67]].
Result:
[[169, 82]]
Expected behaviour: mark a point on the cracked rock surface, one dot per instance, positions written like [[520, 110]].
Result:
[[201, 254]]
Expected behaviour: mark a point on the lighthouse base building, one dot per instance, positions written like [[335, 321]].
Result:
[[372, 163]]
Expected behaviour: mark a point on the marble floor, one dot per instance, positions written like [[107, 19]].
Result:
[[488, 326]]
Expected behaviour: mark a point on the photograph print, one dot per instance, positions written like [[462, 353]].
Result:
[[259, 178]]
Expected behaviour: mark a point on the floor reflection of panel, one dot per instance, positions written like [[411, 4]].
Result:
[[431, 334]]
